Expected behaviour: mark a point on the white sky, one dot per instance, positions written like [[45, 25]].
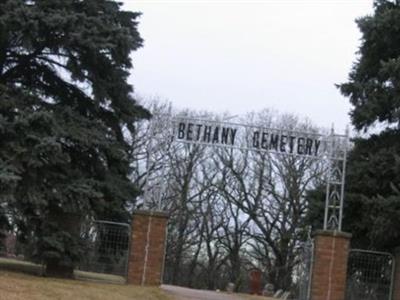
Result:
[[239, 56]]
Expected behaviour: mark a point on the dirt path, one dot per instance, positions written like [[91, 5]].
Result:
[[181, 293]]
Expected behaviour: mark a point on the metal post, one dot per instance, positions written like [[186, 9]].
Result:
[[328, 174], [343, 178], [149, 152], [392, 277], [162, 183], [336, 181]]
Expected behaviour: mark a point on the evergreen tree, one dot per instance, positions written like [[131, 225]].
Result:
[[374, 82], [66, 119], [372, 199], [372, 210]]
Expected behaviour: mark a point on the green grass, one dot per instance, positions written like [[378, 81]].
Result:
[[34, 269], [20, 280], [99, 277], [20, 266]]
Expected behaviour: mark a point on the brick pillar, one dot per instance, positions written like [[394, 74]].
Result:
[[396, 279], [329, 270], [147, 251]]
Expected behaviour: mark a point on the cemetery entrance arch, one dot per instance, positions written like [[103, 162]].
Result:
[[330, 148]]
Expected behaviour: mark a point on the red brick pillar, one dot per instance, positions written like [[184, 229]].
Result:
[[396, 279], [147, 251], [329, 270]]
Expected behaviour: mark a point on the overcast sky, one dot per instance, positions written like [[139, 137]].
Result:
[[239, 56]]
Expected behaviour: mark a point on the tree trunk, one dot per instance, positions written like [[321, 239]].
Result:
[[55, 269], [63, 267]]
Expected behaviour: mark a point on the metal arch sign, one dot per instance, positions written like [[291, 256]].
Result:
[[254, 138], [331, 148]]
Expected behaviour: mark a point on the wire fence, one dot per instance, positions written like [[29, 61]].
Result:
[[105, 245], [107, 248], [369, 275]]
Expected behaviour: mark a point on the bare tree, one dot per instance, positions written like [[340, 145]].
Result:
[[270, 189], [228, 207]]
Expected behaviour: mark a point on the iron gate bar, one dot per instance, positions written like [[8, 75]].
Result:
[[306, 265], [324, 138], [382, 254], [129, 240], [109, 245]]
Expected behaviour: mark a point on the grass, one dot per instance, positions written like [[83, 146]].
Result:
[[16, 286], [20, 266], [20, 281], [34, 269]]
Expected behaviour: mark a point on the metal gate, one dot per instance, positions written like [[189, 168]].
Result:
[[107, 247], [369, 275]]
